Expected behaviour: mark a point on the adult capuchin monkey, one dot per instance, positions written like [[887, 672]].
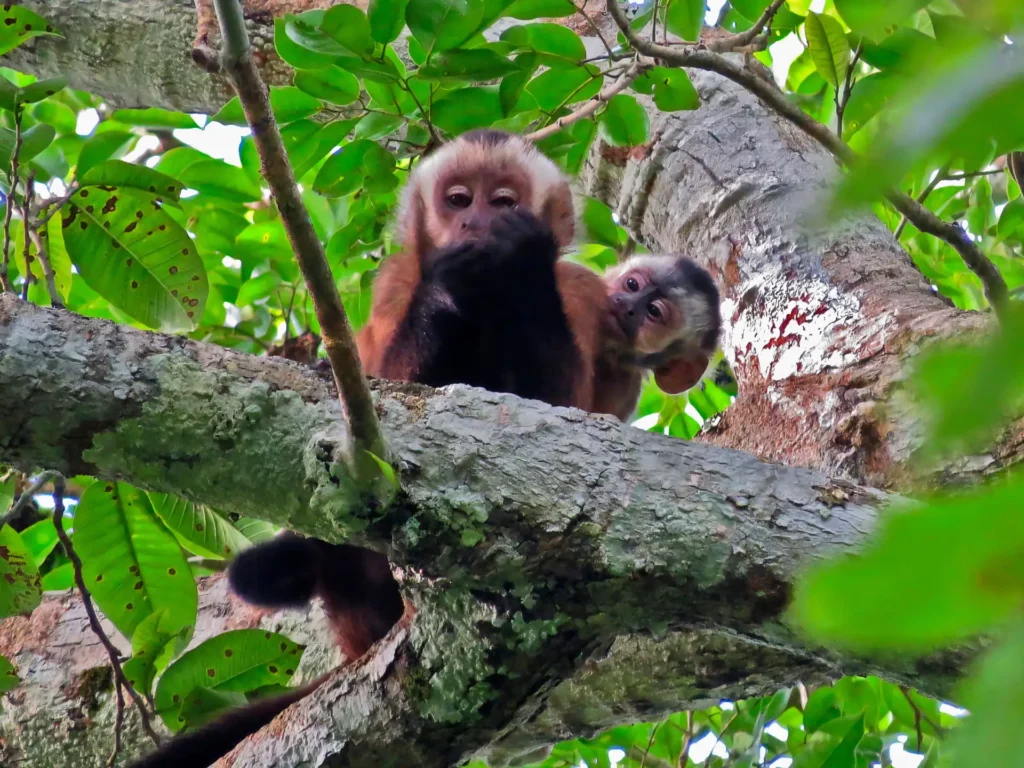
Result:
[[664, 316], [477, 296]]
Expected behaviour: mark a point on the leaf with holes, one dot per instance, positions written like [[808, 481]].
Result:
[[130, 561], [18, 24], [40, 539], [237, 661], [153, 647], [118, 173], [9, 679], [130, 251], [829, 48], [624, 122], [202, 531], [19, 578]]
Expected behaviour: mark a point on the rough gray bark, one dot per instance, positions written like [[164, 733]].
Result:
[[821, 326], [583, 527]]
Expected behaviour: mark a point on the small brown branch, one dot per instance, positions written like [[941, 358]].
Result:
[[26, 203], [941, 175], [118, 725], [919, 716], [842, 101], [597, 31], [684, 753], [44, 262], [635, 70], [774, 99], [26, 496], [338, 338], [744, 39], [53, 205], [90, 611], [12, 184]]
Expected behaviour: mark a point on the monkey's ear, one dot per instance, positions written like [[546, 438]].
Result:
[[559, 214], [682, 373]]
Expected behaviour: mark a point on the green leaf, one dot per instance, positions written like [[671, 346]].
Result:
[[350, 27], [154, 118], [237, 661], [59, 579], [547, 38], [477, 64], [256, 288], [751, 10], [345, 171], [331, 84], [624, 122], [103, 146], [829, 48], [219, 179], [256, 531], [118, 173], [601, 228], [7, 489], [527, 10], [821, 708], [287, 102], [9, 679], [40, 539], [871, 95], [202, 531], [871, 18], [18, 24], [291, 51], [40, 89], [1011, 220], [980, 582], [440, 25], [387, 18], [672, 89], [834, 746], [60, 116], [511, 88], [33, 141], [131, 563], [376, 126], [19, 578], [685, 18], [200, 705], [556, 88], [154, 643], [468, 108], [131, 252]]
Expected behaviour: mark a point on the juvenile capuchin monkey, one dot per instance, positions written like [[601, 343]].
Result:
[[663, 316], [477, 296]]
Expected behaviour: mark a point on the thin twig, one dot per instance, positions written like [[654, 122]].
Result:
[[920, 715], [940, 176], [776, 100], [44, 262], [973, 174], [118, 725], [684, 754], [338, 339], [595, 28], [209, 563], [53, 205], [26, 497], [635, 70], [94, 622], [842, 101], [745, 38], [26, 202], [12, 185]]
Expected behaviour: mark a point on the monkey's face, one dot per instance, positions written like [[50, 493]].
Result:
[[643, 312], [466, 202]]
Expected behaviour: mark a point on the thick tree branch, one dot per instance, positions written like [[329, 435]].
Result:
[[335, 329], [916, 213]]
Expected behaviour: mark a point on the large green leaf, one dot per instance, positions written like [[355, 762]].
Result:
[[219, 179], [154, 644], [256, 531], [440, 25], [980, 583], [287, 102], [350, 27], [40, 539], [131, 252], [19, 578], [829, 48], [201, 705], [871, 17], [685, 18], [237, 661], [625, 122], [551, 39], [201, 530], [671, 88], [33, 141], [468, 108], [118, 173], [131, 563], [11, 96], [527, 10], [103, 146], [556, 88], [474, 65], [154, 118], [347, 170], [287, 39], [59, 579], [18, 24], [9, 679], [387, 18], [332, 84]]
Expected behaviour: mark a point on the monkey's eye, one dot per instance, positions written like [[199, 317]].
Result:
[[504, 198], [459, 198], [653, 311], [632, 285]]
